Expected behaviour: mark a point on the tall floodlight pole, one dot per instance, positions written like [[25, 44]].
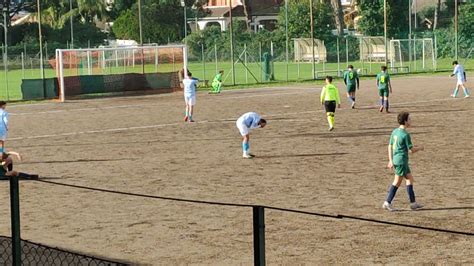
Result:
[[231, 43], [141, 33], [385, 29], [287, 38], [312, 37], [5, 54], [40, 38], [70, 21], [456, 30], [183, 4], [409, 30]]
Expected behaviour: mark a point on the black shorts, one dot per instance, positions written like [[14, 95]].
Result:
[[330, 106]]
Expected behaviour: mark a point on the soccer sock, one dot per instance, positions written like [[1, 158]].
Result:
[[245, 147], [466, 92], [354, 99], [351, 100], [330, 119], [381, 102], [391, 193], [455, 93], [411, 193], [386, 104], [187, 114]]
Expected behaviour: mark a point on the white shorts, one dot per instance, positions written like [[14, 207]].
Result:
[[243, 129], [460, 82], [190, 99]]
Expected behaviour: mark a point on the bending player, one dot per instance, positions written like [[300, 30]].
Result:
[[3, 125], [190, 85], [6, 169], [461, 79], [329, 98], [246, 122], [216, 85], [351, 79], [398, 149], [385, 88]]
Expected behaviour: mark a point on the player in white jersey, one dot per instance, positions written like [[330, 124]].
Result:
[[190, 85], [461, 80], [246, 122], [3, 125]]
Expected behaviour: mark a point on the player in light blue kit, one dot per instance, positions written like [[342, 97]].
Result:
[[190, 85], [3, 125], [461, 79], [246, 122]]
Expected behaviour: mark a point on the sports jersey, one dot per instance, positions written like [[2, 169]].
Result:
[[400, 141], [459, 72], [382, 80], [190, 87], [350, 77], [330, 93]]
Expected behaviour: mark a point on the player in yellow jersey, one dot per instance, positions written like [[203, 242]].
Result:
[[329, 98]]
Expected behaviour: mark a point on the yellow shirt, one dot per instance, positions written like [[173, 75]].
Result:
[[330, 93]]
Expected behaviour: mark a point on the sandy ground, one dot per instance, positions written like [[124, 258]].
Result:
[[140, 145]]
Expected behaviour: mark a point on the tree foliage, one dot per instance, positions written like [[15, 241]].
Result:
[[372, 21]]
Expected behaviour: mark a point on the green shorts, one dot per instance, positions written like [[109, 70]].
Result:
[[351, 88], [402, 170], [383, 92]]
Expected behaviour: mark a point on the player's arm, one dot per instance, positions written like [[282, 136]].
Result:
[[338, 99], [16, 154], [389, 84], [411, 147], [465, 77], [344, 78], [390, 156], [454, 72], [323, 94], [358, 82]]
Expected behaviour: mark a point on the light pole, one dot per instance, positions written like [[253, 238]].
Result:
[[312, 37], [5, 42], [70, 20], [183, 4], [141, 34], [456, 29], [385, 30]]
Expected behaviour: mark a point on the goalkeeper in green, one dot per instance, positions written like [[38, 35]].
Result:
[[216, 84]]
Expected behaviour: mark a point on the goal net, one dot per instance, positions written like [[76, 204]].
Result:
[[304, 50], [119, 69], [413, 54]]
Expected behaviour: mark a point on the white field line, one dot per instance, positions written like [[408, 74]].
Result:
[[157, 104], [204, 121]]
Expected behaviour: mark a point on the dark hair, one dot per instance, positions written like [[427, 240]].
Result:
[[384, 68], [2, 103], [329, 78], [190, 74], [403, 118], [350, 66], [262, 121], [455, 62], [221, 71]]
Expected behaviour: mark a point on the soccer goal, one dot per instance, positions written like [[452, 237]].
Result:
[[304, 50], [418, 54], [119, 69]]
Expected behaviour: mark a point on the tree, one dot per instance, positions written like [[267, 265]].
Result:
[[338, 17], [372, 21], [246, 12]]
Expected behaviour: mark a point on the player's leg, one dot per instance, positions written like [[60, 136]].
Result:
[[191, 104], [411, 194], [386, 104], [465, 90], [455, 92], [219, 87], [2, 146], [349, 95], [353, 95], [392, 191], [186, 115], [246, 147], [330, 107], [381, 101]]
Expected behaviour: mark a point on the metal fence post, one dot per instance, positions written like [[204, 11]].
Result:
[[15, 220], [258, 235]]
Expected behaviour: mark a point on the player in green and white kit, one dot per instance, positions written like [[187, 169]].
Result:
[[216, 84], [385, 88], [351, 79], [398, 149]]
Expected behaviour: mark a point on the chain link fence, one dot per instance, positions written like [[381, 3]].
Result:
[[38, 254]]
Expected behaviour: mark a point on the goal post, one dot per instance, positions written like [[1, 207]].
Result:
[[119, 69]]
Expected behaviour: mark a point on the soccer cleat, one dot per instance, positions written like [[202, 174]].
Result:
[[248, 156], [388, 206], [467, 96], [191, 121], [452, 95], [353, 105], [331, 128], [415, 206], [186, 119], [381, 109], [387, 111]]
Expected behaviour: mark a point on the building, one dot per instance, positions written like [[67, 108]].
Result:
[[262, 14]]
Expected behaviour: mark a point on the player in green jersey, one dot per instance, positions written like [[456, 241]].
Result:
[[385, 88], [398, 149], [329, 98], [351, 79], [216, 84]]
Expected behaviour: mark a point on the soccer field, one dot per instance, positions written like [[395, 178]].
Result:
[[141, 145]]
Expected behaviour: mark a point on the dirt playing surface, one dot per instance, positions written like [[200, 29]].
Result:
[[141, 145]]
